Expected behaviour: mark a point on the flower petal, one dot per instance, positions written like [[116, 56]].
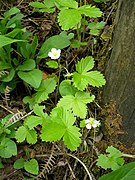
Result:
[[59, 51], [54, 53], [96, 124], [54, 50], [50, 54], [87, 121], [88, 126]]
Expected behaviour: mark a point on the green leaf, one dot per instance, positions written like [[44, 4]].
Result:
[[85, 64], [14, 33], [37, 5], [76, 43], [55, 129], [112, 160], [70, 36], [6, 40], [31, 136], [21, 134], [9, 77], [32, 77], [94, 32], [32, 166], [30, 100], [72, 138], [24, 133], [82, 78], [126, 172], [68, 18], [62, 116], [34, 46], [61, 126], [27, 65], [11, 12], [66, 88], [82, 124], [33, 121], [95, 78], [49, 3], [106, 163], [15, 21], [76, 103], [4, 65], [3, 56], [47, 86], [8, 148], [50, 10], [68, 3], [52, 64], [90, 11], [46, 6], [96, 25], [65, 35], [11, 84], [113, 152], [57, 41], [52, 132], [19, 163], [38, 110]]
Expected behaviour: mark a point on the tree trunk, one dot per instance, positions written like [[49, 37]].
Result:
[[120, 71]]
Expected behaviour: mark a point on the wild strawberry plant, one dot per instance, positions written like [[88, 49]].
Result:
[[114, 159], [72, 16], [74, 96], [60, 123]]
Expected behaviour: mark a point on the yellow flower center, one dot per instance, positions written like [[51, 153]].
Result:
[[55, 54]]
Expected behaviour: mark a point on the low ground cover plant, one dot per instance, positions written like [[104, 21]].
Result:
[[70, 94]]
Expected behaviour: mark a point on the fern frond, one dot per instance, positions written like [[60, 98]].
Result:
[[49, 163], [2, 73], [16, 117], [7, 95]]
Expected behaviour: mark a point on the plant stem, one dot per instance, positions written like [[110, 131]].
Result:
[[128, 155], [80, 2], [6, 109], [84, 24], [57, 90], [78, 33], [46, 155], [90, 177]]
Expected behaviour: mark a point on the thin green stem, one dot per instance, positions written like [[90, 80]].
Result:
[[93, 143], [83, 36], [78, 33], [80, 2], [57, 90]]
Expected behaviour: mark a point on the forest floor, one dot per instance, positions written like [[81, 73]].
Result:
[[53, 160]]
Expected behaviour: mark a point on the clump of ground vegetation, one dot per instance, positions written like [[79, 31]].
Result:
[[52, 62]]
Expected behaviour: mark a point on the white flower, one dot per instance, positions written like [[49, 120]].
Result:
[[54, 53], [92, 123], [96, 124], [88, 126]]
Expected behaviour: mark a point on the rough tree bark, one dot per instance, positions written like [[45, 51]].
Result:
[[120, 71]]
